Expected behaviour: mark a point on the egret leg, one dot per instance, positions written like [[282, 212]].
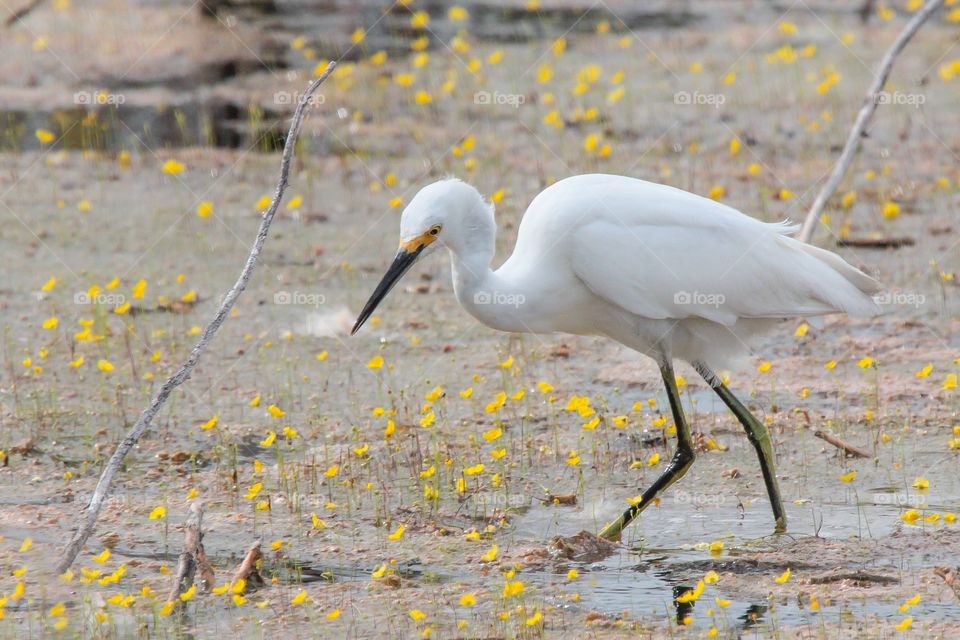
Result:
[[681, 461], [759, 437]]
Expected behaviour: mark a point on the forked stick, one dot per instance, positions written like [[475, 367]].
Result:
[[183, 374]]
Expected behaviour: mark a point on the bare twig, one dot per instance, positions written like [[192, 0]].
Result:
[[951, 576], [848, 449], [22, 12], [192, 557], [863, 118], [183, 374], [247, 571]]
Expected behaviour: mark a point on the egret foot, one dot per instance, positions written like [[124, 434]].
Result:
[[681, 461]]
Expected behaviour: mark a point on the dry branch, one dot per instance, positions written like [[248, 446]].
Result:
[[849, 449], [193, 559], [951, 576], [247, 571], [863, 118], [183, 374]]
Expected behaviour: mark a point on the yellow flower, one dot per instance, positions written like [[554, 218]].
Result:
[[102, 557], [139, 289], [910, 516], [263, 202], [534, 619], [269, 440], [396, 535], [865, 363], [253, 490], [333, 615], [474, 470], [512, 589], [172, 167], [332, 471], [693, 594], [468, 600], [950, 382], [716, 192], [492, 434], [420, 20], [848, 477], [417, 615], [158, 513], [50, 323], [45, 136], [186, 595], [764, 366], [890, 210], [787, 28], [923, 373], [921, 483], [904, 624], [276, 411], [506, 364], [590, 426], [300, 598], [210, 424], [205, 209], [457, 14], [376, 362], [104, 365], [490, 555], [783, 577]]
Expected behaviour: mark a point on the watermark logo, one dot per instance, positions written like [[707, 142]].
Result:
[[699, 499], [106, 298], [504, 500], [293, 98], [696, 98], [909, 499], [499, 298], [299, 298], [98, 98], [497, 98], [699, 298], [900, 98], [900, 299]]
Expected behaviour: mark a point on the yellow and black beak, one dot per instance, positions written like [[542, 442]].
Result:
[[407, 254]]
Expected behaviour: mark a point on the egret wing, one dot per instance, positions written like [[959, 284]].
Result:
[[721, 271]]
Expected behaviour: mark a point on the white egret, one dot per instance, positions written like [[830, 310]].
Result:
[[662, 271]]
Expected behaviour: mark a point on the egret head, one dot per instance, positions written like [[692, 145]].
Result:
[[448, 213]]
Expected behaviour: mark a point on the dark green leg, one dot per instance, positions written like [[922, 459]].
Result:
[[681, 461], [759, 438]]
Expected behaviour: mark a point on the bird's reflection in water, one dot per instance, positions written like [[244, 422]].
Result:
[[753, 615], [684, 608]]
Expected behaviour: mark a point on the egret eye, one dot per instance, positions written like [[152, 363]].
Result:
[[434, 230]]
